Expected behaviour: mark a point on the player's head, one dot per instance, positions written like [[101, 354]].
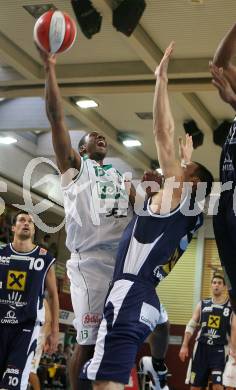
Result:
[[217, 284], [94, 145], [23, 226], [196, 173]]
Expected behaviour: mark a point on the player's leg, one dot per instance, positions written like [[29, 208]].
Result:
[[217, 359], [81, 354], [87, 304], [21, 348], [199, 369], [129, 317], [154, 365], [225, 233], [107, 385], [4, 334], [34, 381], [33, 378]]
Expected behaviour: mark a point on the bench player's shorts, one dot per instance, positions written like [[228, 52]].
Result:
[[214, 357], [132, 311], [224, 223], [89, 283], [18, 344]]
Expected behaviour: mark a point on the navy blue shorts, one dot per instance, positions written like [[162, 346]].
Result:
[[17, 348], [225, 234], [131, 313], [208, 362]]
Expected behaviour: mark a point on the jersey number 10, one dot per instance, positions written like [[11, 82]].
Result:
[[36, 264]]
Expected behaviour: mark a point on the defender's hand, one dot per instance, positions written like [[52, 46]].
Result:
[[186, 149], [151, 176], [161, 70], [222, 84]]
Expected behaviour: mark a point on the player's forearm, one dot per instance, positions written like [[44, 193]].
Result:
[[54, 310], [226, 49], [60, 135], [54, 106], [186, 340], [163, 122]]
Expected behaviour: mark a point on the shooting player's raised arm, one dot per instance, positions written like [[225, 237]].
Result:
[[66, 156]]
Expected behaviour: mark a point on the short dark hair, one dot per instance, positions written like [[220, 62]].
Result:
[[82, 141], [19, 213], [217, 275], [205, 176]]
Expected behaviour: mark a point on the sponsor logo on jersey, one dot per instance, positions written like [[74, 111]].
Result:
[[228, 163], [214, 322], [91, 319], [10, 318], [216, 372], [4, 260], [207, 309], [232, 135], [15, 371], [42, 252], [157, 273], [16, 280], [14, 299], [149, 315]]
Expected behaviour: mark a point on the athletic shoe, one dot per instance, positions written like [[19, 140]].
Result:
[[158, 378]]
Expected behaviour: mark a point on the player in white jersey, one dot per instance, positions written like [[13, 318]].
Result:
[[97, 211]]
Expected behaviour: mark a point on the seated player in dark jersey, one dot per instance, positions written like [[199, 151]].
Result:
[[224, 78], [209, 355], [150, 247], [25, 271]]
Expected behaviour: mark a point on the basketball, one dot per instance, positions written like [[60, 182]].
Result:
[[55, 32]]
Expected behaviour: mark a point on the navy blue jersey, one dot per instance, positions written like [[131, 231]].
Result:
[[215, 322], [151, 245], [22, 277], [228, 157]]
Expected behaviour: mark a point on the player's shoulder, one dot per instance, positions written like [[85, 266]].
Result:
[[4, 247], [228, 303]]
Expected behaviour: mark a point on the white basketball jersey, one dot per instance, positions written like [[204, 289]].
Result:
[[97, 209]]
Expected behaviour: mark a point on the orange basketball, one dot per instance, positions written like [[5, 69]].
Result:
[[55, 32]]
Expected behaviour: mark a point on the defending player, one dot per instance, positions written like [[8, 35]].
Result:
[[224, 78], [150, 247], [25, 271]]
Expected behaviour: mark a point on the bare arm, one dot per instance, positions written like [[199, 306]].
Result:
[[221, 82], [52, 339], [48, 319], [184, 351], [224, 55], [163, 123], [66, 156]]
